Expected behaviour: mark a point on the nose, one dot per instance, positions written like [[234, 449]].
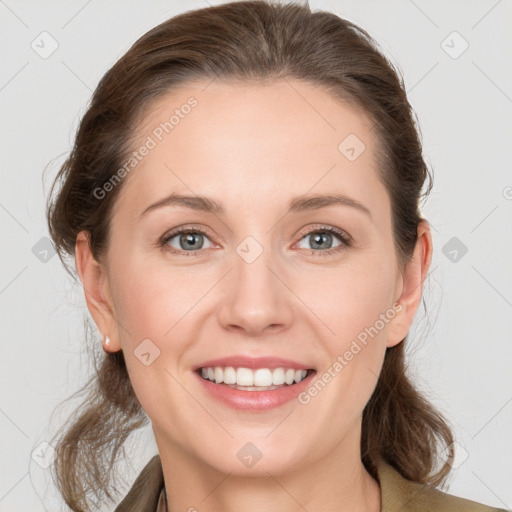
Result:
[[256, 300]]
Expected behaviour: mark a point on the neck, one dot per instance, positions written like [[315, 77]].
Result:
[[337, 482]]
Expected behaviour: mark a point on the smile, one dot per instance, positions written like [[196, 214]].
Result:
[[247, 379], [253, 390]]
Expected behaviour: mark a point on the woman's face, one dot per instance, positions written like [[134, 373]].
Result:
[[316, 283]]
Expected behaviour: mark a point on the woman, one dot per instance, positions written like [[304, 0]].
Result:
[[242, 206]]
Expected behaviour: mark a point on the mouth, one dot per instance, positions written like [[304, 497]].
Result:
[[247, 379]]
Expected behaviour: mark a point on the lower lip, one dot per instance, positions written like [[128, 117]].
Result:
[[255, 400]]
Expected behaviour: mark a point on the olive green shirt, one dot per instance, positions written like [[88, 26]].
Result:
[[397, 494]]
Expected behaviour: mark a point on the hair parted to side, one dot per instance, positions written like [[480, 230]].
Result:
[[250, 41]]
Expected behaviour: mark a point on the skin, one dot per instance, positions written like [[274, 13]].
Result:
[[253, 148]]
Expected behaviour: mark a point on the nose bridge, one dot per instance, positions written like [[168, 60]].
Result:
[[256, 298], [252, 262]]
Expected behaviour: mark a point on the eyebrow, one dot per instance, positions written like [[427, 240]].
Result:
[[298, 204]]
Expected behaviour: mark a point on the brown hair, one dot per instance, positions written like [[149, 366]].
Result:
[[247, 41]]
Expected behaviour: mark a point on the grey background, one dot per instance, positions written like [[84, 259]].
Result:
[[461, 352]]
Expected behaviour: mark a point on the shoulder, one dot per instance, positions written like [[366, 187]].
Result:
[[400, 494], [144, 494]]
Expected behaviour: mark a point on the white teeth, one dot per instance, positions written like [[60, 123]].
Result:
[[262, 377], [244, 377], [229, 375], [290, 376], [278, 376], [219, 377]]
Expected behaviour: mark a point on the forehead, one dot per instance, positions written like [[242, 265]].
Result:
[[246, 142]]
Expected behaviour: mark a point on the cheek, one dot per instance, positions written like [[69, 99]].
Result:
[[150, 299], [151, 308], [356, 308], [351, 300], [357, 312], [353, 307], [158, 309]]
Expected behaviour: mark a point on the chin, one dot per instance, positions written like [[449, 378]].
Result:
[[254, 458]]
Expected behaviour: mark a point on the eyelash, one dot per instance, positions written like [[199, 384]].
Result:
[[346, 240]]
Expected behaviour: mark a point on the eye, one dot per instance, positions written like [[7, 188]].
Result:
[[186, 240], [323, 241], [190, 240]]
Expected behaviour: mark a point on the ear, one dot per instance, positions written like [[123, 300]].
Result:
[[95, 282], [410, 286]]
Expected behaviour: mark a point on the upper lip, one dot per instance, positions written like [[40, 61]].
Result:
[[253, 363]]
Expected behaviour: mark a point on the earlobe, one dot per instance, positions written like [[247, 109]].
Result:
[[412, 279], [96, 290], [106, 344]]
